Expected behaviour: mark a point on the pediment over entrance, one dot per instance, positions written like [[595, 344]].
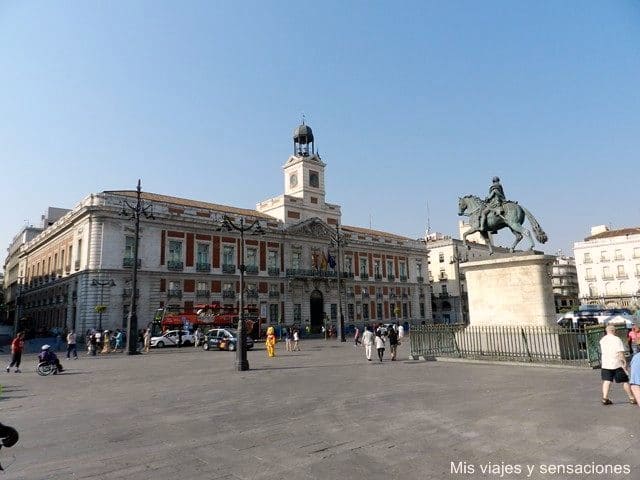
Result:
[[312, 227]]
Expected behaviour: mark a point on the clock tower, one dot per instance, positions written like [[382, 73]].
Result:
[[304, 187]]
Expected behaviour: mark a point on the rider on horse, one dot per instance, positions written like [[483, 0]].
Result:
[[494, 202]]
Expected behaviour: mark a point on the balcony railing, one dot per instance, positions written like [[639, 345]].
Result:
[[252, 294], [619, 258], [607, 277], [251, 269], [203, 293], [273, 271], [622, 276], [174, 293], [228, 294], [590, 279], [274, 294], [346, 274], [299, 272], [403, 278], [604, 259], [228, 268], [364, 276], [587, 260], [377, 276], [391, 277], [203, 267], [175, 265], [127, 262], [442, 277]]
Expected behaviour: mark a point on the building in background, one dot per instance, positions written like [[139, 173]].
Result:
[[83, 260], [564, 279], [608, 267]]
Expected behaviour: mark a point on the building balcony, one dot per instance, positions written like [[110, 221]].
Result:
[[607, 277], [391, 277], [203, 293], [174, 293], [228, 294], [346, 275], [590, 279], [403, 278], [175, 266], [127, 262], [364, 276], [273, 271], [442, 278], [251, 269], [228, 268], [622, 276], [252, 294], [306, 273], [274, 294], [604, 259], [378, 277], [203, 267]]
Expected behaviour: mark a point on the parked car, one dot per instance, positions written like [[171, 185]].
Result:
[[224, 339], [170, 339]]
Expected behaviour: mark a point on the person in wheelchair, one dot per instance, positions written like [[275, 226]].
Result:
[[46, 355]]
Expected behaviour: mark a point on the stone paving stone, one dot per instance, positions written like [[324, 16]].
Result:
[[323, 413]]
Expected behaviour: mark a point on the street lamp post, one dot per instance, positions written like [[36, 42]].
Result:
[[242, 363], [338, 242], [102, 284], [18, 311], [134, 212]]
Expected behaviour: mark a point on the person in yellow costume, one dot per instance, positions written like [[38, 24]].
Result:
[[271, 342]]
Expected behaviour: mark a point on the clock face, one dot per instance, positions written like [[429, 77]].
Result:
[[293, 180], [313, 179]]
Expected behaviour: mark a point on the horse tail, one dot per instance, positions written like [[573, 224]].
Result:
[[541, 236]]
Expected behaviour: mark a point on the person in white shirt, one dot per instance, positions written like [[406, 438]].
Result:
[[379, 345], [367, 341], [71, 345], [400, 331], [613, 365]]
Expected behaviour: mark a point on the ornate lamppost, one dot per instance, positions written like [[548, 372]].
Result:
[[100, 308], [338, 240], [134, 212], [254, 228]]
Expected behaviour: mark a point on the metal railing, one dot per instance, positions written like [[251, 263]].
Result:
[[527, 344]]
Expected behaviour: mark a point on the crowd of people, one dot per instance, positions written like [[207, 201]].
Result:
[[614, 365], [379, 336]]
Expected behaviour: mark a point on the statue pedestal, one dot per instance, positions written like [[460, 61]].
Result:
[[511, 289]]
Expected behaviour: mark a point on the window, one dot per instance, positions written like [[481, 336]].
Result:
[[202, 287], [202, 253], [376, 267], [604, 257], [295, 260], [606, 272], [364, 266], [252, 257], [174, 286], [422, 310], [403, 269], [350, 311], [618, 254], [390, 270], [227, 287], [297, 312], [274, 290], [314, 179], [228, 255], [274, 316], [441, 258], [419, 270], [621, 271], [348, 265], [587, 258], [589, 273], [379, 311], [334, 311], [272, 259], [444, 289], [129, 244], [365, 311], [175, 251]]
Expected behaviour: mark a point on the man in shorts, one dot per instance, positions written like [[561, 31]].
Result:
[[614, 365]]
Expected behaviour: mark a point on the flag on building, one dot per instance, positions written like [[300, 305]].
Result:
[[332, 261]]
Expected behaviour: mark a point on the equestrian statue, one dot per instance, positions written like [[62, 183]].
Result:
[[495, 213]]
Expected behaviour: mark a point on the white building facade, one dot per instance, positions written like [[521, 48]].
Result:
[[608, 267]]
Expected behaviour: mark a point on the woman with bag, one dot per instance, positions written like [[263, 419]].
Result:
[[379, 345]]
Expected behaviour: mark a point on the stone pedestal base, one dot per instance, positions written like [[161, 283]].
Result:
[[511, 290]]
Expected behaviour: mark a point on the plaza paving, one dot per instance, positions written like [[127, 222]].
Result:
[[322, 413]]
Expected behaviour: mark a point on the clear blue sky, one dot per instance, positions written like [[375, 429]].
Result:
[[411, 102]]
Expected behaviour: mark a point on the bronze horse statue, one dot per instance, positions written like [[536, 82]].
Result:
[[512, 216]]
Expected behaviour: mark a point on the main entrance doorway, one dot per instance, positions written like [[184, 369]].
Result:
[[316, 307]]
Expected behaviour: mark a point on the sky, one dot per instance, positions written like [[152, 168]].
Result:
[[412, 104]]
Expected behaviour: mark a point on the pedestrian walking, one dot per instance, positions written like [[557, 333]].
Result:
[[71, 345], [356, 337], [367, 341], [393, 343], [93, 344], [296, 340], [634, 339], [147, 340], [180, 338], [287, 340], [400, 332], [106, 342], [120, 340], [614, 365], [379, 340], [634, 378], [17, 346]]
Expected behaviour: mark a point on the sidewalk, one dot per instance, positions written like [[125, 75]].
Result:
[[322, 413]]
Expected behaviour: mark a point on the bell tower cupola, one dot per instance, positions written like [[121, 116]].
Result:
[[302, 140]]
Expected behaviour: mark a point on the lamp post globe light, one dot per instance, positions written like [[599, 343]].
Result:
[[134, 212], [242, 363], [338, 241], [100, 308]]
